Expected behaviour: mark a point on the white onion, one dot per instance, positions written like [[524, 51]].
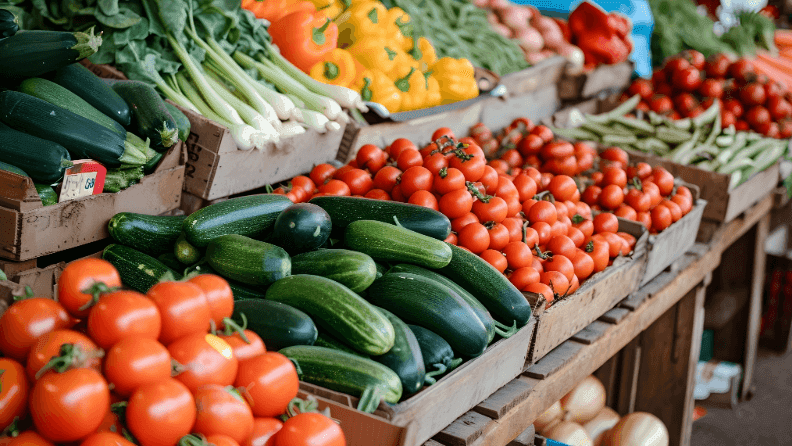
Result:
[[548, 417], [584, 401], [570, 433], [602, 423], [637, 429]]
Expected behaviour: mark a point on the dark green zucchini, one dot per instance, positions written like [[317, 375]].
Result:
[[345, 210], [503, 300], [185, 252], [181, 120], [279, 325], [352, 269], [138, 271], [405, 357], [151, 165], [438, 357], [82, 137], [337, 310], [252, 216], [8, 24], [301, 228], [240, 290], [328, 341], [392, 243], [80, 81], [249, 261], [170, 260], [33, 53], [47, 194], [44, 161], [150, 117], [151, 234], [13, 169]]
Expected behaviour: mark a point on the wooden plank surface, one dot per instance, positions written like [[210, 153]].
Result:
[[504, 399], [526, 438], [464, 430], [615, 315], [591, 333], [555, 360]]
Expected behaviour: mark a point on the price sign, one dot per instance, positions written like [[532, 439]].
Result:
[[85, 178]]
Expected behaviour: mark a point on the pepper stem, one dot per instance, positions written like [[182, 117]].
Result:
[[403, 84], [318, 36], [331, 70]]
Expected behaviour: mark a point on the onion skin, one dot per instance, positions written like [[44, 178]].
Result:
[[598, 426], [585, 401], [549, 417], [529, 39], [637, 429], [569, 433]]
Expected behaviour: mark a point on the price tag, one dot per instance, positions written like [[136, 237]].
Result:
[[77, 185]]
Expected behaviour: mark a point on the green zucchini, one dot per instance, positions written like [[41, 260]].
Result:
[[8, 24], [381, 270], [337, 310], [151, 165], [279, 325], [251, 216], [13, 169], [150, 234], [392, 243], [347, 373], [503, 300], [438, 357], [249, 261], [82, 137], [301, 228], [345, 210], [170, 260], [150, 117], [138, 271], [352, 269], [240, 290], [185, 252], [44, 161], [328, 341], [181, 120], [80, 81], [47, 194], [33, 53], [60, 96], [425, 302], [405, 357]]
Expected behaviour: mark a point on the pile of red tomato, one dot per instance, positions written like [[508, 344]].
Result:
[[101, 369], [688, 84]]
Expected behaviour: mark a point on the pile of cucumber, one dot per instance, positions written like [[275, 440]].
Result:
[[363, 295]]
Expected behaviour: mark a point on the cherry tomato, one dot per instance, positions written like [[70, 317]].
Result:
[[558, 149], [591, 195], [398, 146], [717, 66], [684, 203], [561, 245], [741, 70], [496, 259], [136, 361], [556, 280], [562, 187], [586, 226], [653, 191], [600, 254], [685, 103], [664, 180], [644, 218], [270, 383], [522, 277], [676, 211], [435, 162], [443, 132], [386, 178], [310, 429], [583, 264], [414, 179], [561, 210], [506, 188], [378, 194], [543, 132], [638, 200], [753, 94], [530, 145], [160, 413], [614, 175], [514, 226], [544, 231], [123, 314], [471, 164], [106, 439], [452, 239], [543, 211], [221, 440], [494, 209], [221, 411], [448, 180], [661, 218], [499, 166], [531, 236], [616, 156], [626, 212], [85, 353], [541, 289], [617, 245], [14, 390], [78, 279], [498, 236], [370, 157], [304, 183], [711, 88], [409, 158], [335, 187], [561, 264], [183, 308], [424, 198], [70, 405], [641, 87], [28, 320], [513, 205], [629, 238], [687, 79], [358, 180], [206, 359], [474, 237], [456, 204], [526, 186], [611, 197], [661, 104], [576, 235], [460, 222], [518, 255]]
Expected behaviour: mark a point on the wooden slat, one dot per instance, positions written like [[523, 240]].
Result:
[[504, 399], [554, 360], [591, 333], [755, 309], [432, 443], [615, 315], [464, 430], [634, 301], [526, 438]]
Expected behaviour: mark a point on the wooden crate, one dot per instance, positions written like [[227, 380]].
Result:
[[435, 407], [529, 80], [603, 79], [596, 296], [29, 230]]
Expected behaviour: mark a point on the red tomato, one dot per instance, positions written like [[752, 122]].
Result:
[[452, 239], [498, 236], [741, 70], [543, 231], [614, 175], [183, 308], [106, 439], [629, 238], [676, 211], [471, 164], [310, 429], [377, 194], [28, 320], [661, 104], [518, 255], [562, 264], [206, 359], [561, 245], [246, 344], [626, 212], [409, 158], [270, 382], [644, 218], [641, 87], [221, 440], [543, 132], [448, 180], [358, 180], [616, 156], [494, 209], [753, 94], [591, 195], [522, 277], [506, 188], [456, 204], [685, 102], [711, 88], [386, 178], [304, 183], [221, 411], [335, 187], [460, 222], [159, 414], [617, 245], [424, 198], [474, 237], [557, 149], [586, 226], [684, 203], [543, 211], [512, 158], [638, 200], [496, 259], [530, 145], [83, 352], [779, 108], [414, 179], [611, 197], [541, 289], [599, 253], [265, 431], [562, 187], [653, 191], [14, 390], [556, 280], [583, 264], [70, 405], [435, 162], [136, 361], [514, 226], [122, 314], [576, 235], [443, 132], [733, 106], [717, 66], [81, 281], [398, 146], [218, 295], [322, 173], [758, 116], [370, 157], [513, 205]]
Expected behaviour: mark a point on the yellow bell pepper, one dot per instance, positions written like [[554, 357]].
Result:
[[456, 78], [412, 84], [400, 30], [423, 53], [337, 68], [361, 22], [376, 86], [433, 96], [375, 54], [329, 8]]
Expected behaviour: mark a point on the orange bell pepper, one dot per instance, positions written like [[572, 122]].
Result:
[[274, 10], [304, 38]]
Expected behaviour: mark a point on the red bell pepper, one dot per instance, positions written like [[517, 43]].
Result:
[[304, 38]]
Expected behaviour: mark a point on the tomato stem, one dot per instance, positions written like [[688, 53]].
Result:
[[542, 255], [25, 293], [590, 246], [230, 327], [96, 290], [176, 367], [69, 356], [577, 219], [12, 430]]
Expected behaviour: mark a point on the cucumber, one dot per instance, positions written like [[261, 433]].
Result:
[[251, 216], [249, 261], [425, 302], [151, 234], [438, 357], [170, 260], [60, 96], [381, 270], [347, 373], [138, 271], [405, 357], [80, 81], [301, 228], [391, 243], [47, 194], [8, 24], [185, 252], [277, 324], [33, 53], [337, 310], [44, 161], [345, 210], [181, 120], [328, 341], [150, 118], [503, 300], [352, 269], [151, 165]]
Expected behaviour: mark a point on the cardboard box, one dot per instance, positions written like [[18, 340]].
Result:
[[417, 419], [29, 230], [595, 297], [604, 78]]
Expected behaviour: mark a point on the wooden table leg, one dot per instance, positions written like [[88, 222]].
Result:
[[755, 305]]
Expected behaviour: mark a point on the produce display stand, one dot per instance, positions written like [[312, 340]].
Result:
[[426, 413], [645, 350], [603, 79]]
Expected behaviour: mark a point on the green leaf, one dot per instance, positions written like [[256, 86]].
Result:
[[138, 31], [173, 15], [155, 27], [106, 53], [108, 7], [788, 185], [124, 19]]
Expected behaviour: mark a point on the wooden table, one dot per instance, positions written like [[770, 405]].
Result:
[[645, 350]]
